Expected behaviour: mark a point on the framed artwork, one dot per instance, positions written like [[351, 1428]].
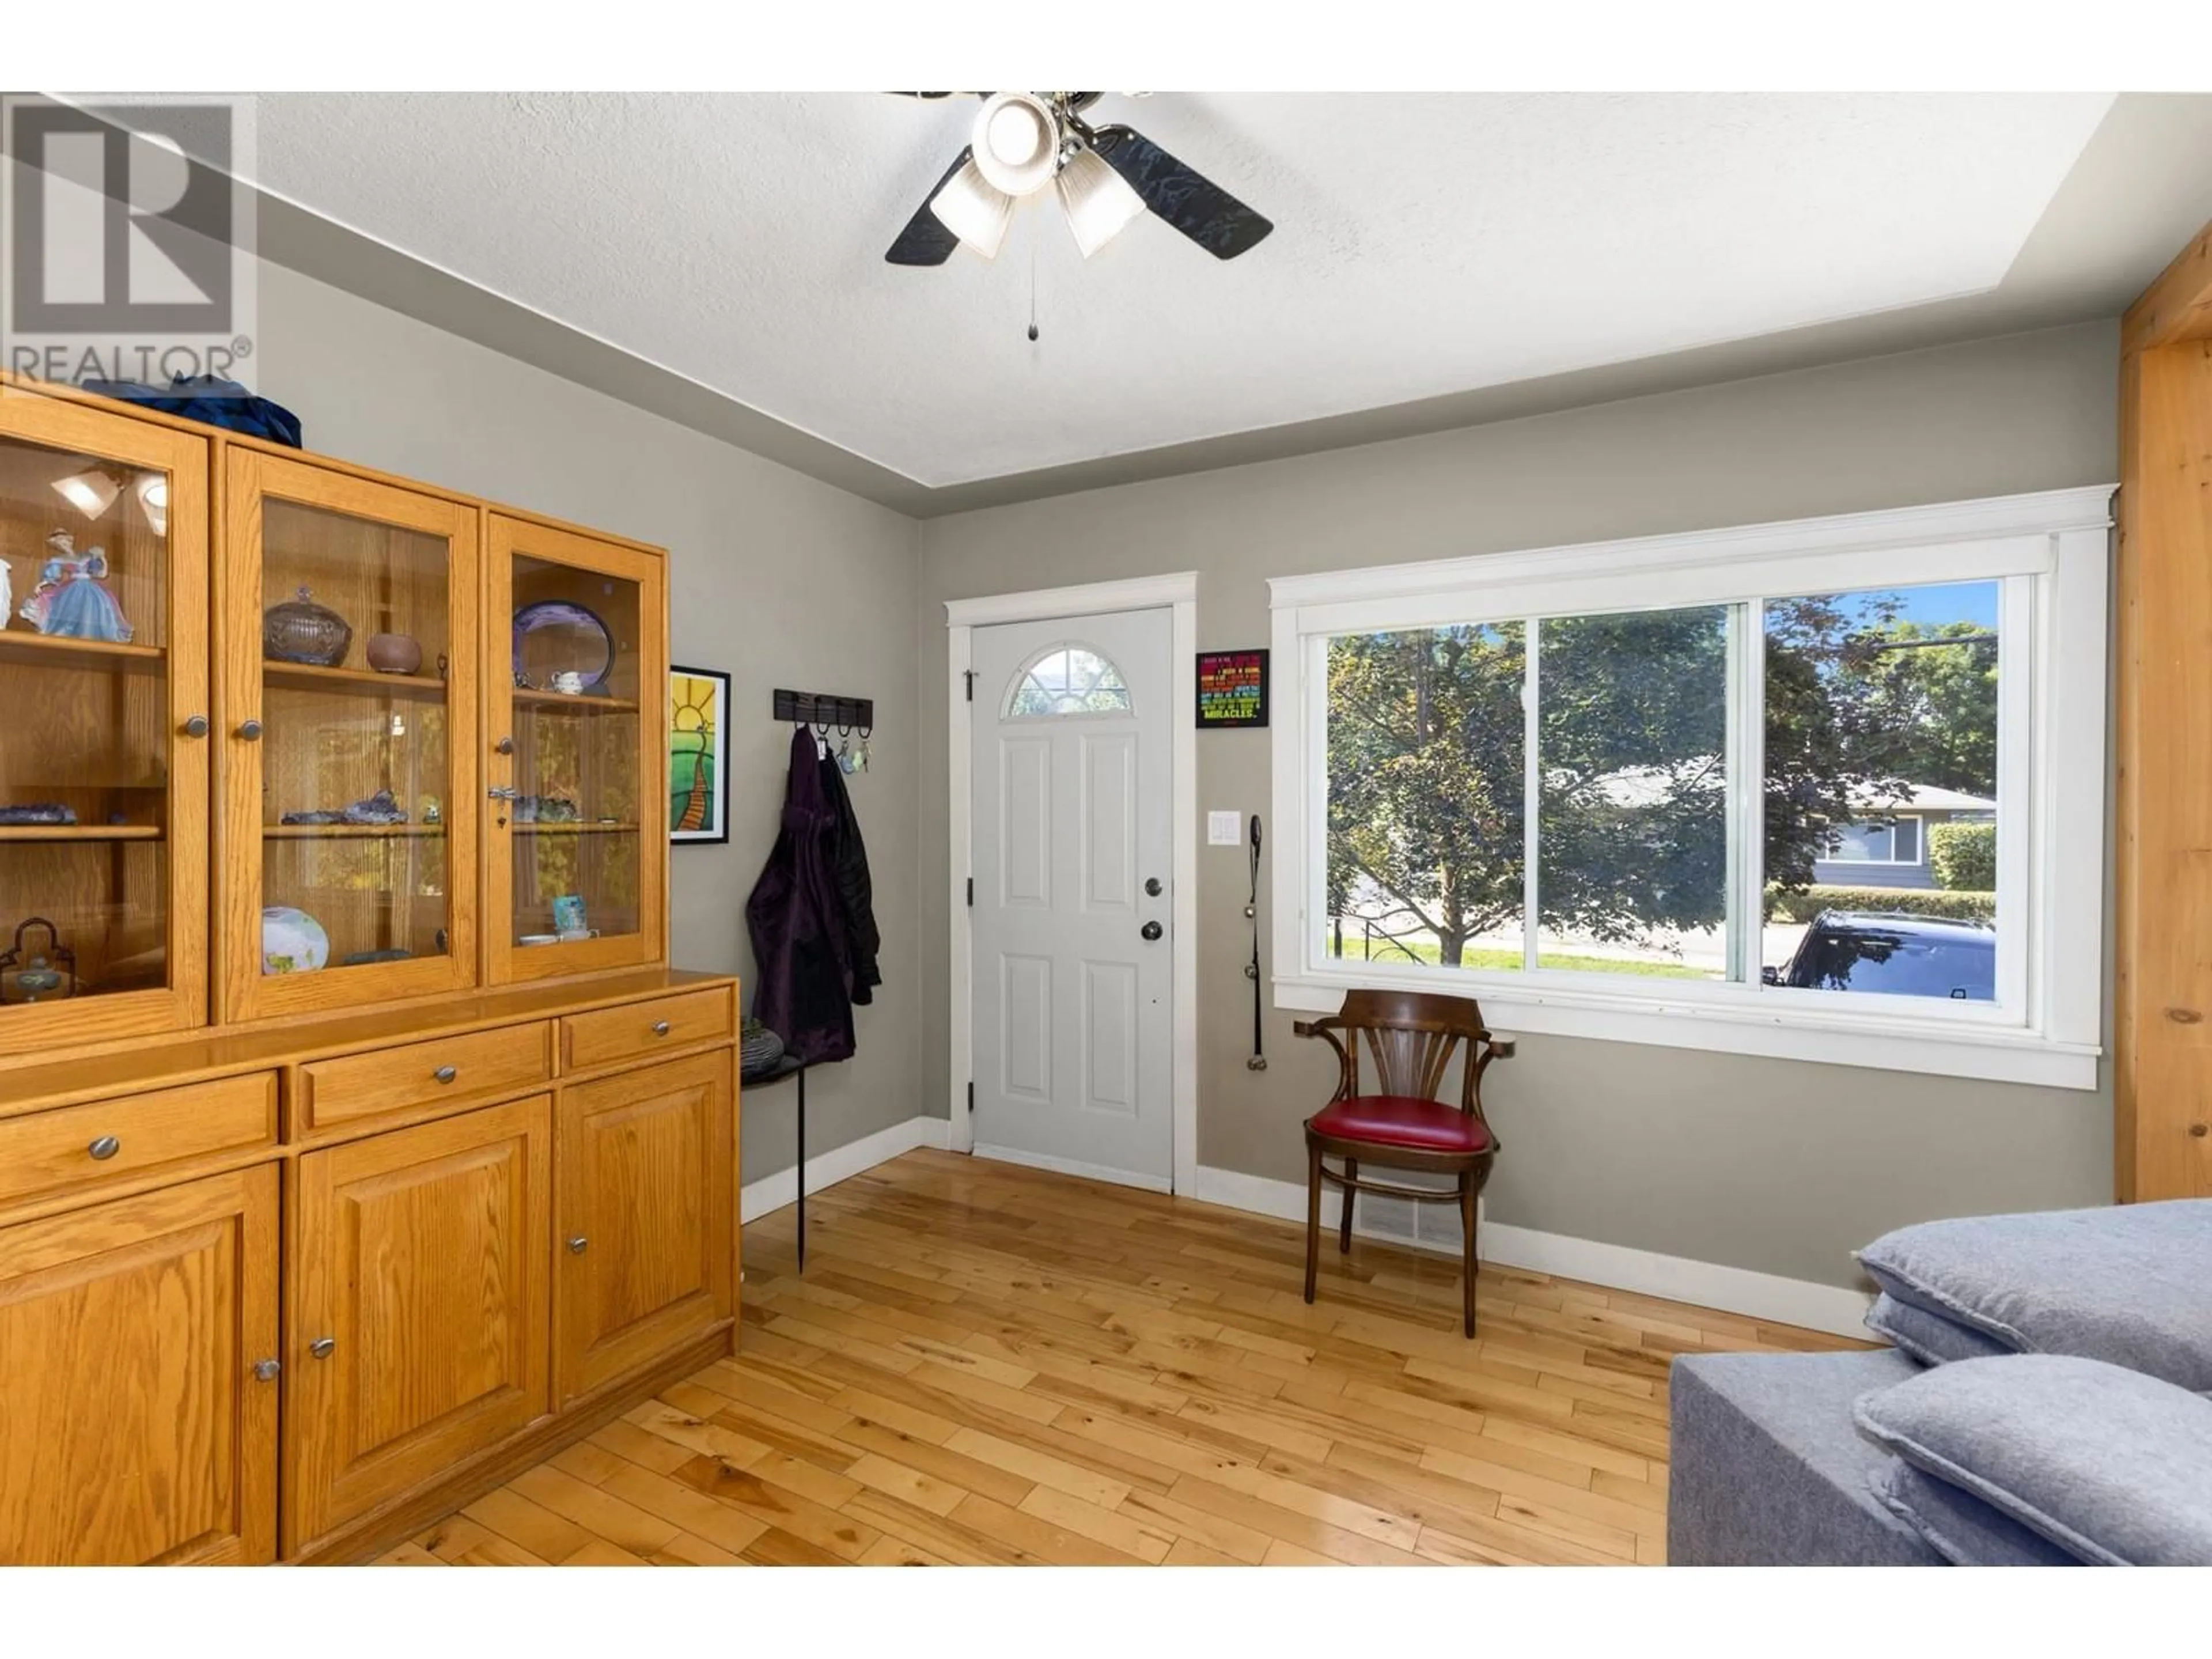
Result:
[[698, 754], [1233, 690]]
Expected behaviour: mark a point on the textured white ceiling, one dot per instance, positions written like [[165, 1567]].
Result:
[[1423, 245]]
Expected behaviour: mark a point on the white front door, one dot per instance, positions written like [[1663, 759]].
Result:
[[1073, 823]]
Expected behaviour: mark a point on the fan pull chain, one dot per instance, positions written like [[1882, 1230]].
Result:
[[1033, 308]]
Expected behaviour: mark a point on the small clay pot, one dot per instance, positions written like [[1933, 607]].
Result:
[[394, 653]]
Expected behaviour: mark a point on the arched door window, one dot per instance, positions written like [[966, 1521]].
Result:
[[1067, 679]]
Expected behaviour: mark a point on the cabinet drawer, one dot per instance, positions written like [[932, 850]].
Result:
[[635, 1030], [50, 1154], [512, 1060]]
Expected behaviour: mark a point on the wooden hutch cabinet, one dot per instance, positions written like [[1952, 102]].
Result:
[[345, 1084]]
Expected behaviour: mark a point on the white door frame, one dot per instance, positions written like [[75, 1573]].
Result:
[[1178, 592]]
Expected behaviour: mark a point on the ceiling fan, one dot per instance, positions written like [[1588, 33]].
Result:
[[1104, 177]]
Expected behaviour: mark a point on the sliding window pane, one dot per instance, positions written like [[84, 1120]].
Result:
[[1632, 822], [1882, 792], [1425, 788]]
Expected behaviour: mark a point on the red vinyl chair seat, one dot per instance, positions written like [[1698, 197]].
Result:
[[1425, 1125]]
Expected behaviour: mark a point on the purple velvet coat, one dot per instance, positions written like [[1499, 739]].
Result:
[[803, 972]]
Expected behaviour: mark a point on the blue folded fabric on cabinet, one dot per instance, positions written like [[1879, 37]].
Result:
[[210, 399]]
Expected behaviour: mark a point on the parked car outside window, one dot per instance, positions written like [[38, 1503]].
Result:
[[1896, 954]]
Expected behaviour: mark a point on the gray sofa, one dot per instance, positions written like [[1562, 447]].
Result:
[[2071, 1419]]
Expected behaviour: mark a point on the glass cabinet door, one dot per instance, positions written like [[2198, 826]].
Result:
[[576, 660], [350, 704], [103, 724]]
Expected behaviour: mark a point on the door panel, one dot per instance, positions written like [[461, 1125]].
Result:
[[575, 866], [422, 1259], [1072, 816], [132, 1428], [104, 679], [644, 1257], [348, 790]]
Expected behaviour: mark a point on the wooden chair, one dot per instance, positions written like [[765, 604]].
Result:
[[1411, 1038]]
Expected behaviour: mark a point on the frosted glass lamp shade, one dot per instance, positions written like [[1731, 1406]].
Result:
[[1016, 143], [975, 211], [1098, 200]]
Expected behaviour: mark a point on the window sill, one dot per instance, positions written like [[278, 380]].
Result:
[[1996, 1055]]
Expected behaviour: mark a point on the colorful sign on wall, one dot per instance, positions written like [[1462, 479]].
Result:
[[1233, 690]]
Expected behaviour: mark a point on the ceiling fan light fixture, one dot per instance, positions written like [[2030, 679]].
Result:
[[1017, 142], [1098, 200], [973, 210], [90, 492]]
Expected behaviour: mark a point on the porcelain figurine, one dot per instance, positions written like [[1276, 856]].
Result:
[[71, 601]]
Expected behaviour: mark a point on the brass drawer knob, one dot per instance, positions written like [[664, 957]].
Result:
[[661, 1028], [447, 1074], [105, 1148]]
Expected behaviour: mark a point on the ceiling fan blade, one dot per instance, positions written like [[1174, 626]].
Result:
[[926, 241], [1187, 199]]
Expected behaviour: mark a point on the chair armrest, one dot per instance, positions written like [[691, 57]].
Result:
[[1501, 1047]]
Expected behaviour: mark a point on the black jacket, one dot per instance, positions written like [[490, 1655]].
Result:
[[803, 971], [849, 866]]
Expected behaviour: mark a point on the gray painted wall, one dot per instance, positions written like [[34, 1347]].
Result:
[[777, 577], [1777, 1166]]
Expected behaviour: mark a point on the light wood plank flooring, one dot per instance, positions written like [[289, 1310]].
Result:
[[990, 1364]]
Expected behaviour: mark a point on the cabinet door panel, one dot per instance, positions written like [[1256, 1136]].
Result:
[[132, 1428], [576, 871], [646, 1187], [104, 680], [419, 1257], [349, 694]]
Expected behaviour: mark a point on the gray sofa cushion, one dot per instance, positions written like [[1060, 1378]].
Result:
[[2126, 1284], [1931, 1338], [1767, 1470], [1964, 1530], [2112, 1466]]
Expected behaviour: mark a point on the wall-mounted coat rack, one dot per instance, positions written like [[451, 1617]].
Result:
[[825, 712]]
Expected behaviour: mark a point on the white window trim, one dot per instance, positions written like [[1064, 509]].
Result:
[[2044, 1027]]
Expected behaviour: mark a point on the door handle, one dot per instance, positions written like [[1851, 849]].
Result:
[[250, 730], [1151, 886], [578, 1244], [265, 1370], [1150, 931], [196, 726], [323, 1346]]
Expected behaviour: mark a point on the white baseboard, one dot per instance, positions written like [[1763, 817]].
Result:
[[1828, 1308], [1074, 1167], [772, 1193]]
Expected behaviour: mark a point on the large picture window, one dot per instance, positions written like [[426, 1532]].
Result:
[[1810, 794]]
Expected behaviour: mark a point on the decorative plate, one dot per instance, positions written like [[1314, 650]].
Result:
[[592, 647], [292, 941]]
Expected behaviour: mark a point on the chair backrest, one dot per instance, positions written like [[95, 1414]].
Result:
[[1411, 1038]]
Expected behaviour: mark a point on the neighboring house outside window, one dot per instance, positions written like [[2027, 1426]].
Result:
[[1889, 847]]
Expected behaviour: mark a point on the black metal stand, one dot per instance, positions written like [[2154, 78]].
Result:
[[783, 1068]]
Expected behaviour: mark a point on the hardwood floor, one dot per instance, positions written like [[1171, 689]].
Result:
[[990, 1363]]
